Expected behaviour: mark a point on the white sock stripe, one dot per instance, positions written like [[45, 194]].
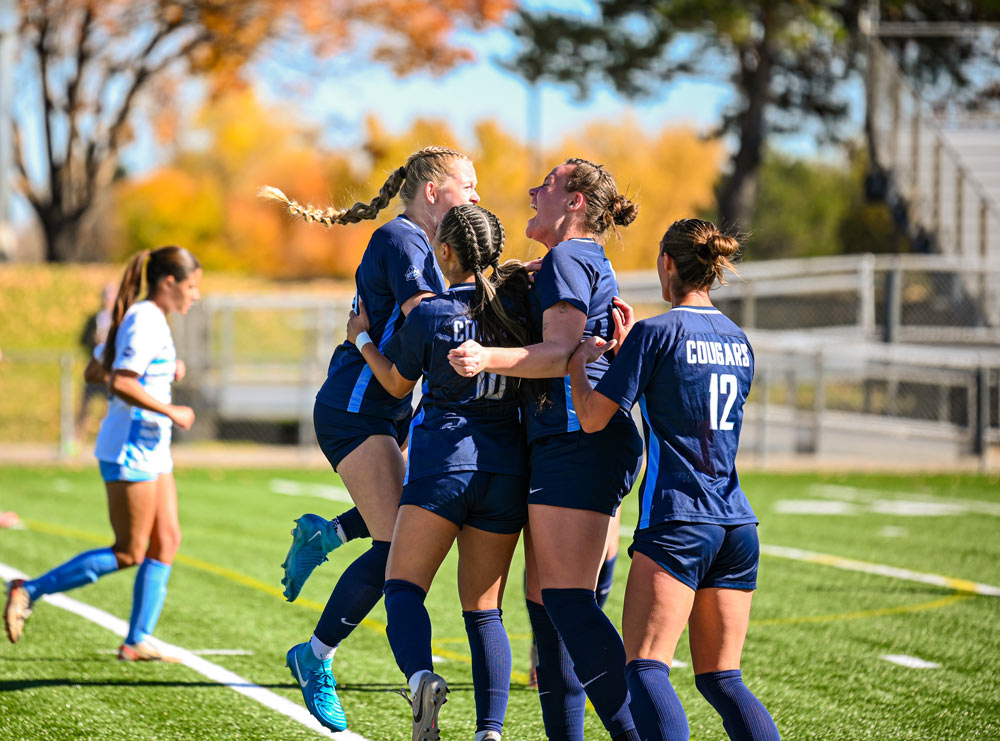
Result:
[[207, 669]]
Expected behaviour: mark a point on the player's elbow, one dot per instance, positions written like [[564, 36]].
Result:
[[400, 391], [118, 382], [589, 424]]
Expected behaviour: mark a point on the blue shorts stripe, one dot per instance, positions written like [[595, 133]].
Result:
[[354, 405], [417, 419], [365, 377], [652, 469], [572, 421]]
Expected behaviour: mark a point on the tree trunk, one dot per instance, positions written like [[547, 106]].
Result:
[[738, 193], [61, 235]]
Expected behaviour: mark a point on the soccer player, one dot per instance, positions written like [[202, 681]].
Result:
[[359, 425], [138, 362], [577, 479], [695, 550], [467, 472]]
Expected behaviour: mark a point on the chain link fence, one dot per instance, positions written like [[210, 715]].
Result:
[[885, 361]]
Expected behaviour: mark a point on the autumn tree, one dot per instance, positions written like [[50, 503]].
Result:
[[95, 62], [785, 59], [205, 198]]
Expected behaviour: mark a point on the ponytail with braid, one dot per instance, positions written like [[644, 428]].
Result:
[[428, 164]]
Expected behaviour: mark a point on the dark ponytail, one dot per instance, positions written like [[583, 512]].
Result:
[[175, 261]]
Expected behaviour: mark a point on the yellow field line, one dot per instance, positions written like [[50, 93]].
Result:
[[248, 581], [879, 612]]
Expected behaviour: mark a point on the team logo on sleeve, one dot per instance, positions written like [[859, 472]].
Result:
[[413, 273]]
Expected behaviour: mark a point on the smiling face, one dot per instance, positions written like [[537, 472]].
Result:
[[552, 204]]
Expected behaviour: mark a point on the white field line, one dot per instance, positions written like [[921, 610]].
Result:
[[207, 669], [948, 505], [910, 662], [892, 572], [299, 489], [849, 564]]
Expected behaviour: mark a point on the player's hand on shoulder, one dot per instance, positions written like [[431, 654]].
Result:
[[467, 359], [357, 322], [181, 416], [624, 319], [180, 371], [591, 349]]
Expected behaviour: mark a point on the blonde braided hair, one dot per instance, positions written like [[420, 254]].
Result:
[[428, 164]]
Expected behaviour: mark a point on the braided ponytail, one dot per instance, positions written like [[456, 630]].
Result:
[[428, 164]]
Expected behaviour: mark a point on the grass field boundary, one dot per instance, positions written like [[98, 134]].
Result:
[[205, 668]]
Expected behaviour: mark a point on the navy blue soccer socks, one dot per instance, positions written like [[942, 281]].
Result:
[[559, 691], [743, 716], [597, 652], [357, 592], [656, 709]]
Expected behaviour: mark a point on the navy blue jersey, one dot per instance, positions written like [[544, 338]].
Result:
[[578, 272], [398, 262], [464, 424], [691, 370]]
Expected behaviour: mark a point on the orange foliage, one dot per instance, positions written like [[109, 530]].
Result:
[[207, 199]]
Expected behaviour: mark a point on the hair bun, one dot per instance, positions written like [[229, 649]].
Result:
[[622, 210], [721, 245]]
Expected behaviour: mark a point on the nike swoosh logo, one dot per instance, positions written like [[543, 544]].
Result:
[[298, 673], [535, 491], [353, 625], [584, 684], [314, 536]]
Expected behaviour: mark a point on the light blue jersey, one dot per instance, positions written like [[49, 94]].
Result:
[[132, 437]]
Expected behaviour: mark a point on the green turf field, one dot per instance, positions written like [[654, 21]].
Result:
[[814, 652]]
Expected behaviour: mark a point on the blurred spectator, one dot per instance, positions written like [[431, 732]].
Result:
[[95, 332]]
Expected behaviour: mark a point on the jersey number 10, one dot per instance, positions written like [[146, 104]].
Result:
[[722, 385], [490, 386]]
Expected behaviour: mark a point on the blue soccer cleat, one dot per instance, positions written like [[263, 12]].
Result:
[[318, 686], [312, 538]]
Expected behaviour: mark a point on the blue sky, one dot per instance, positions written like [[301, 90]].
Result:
[[349, 91], [342, 91]]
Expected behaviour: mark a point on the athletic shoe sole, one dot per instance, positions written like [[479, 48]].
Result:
[[427, 701], [144, 651], [16, 610], [302, 536]]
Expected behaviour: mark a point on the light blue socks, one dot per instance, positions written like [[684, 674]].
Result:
[[148, 595], [84, 568]]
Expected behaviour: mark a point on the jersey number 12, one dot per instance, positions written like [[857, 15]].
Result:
[[722, 385]]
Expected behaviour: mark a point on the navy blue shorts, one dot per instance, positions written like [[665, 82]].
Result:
[[494, 502], [591, 471], [339, 432], [703, 555]]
